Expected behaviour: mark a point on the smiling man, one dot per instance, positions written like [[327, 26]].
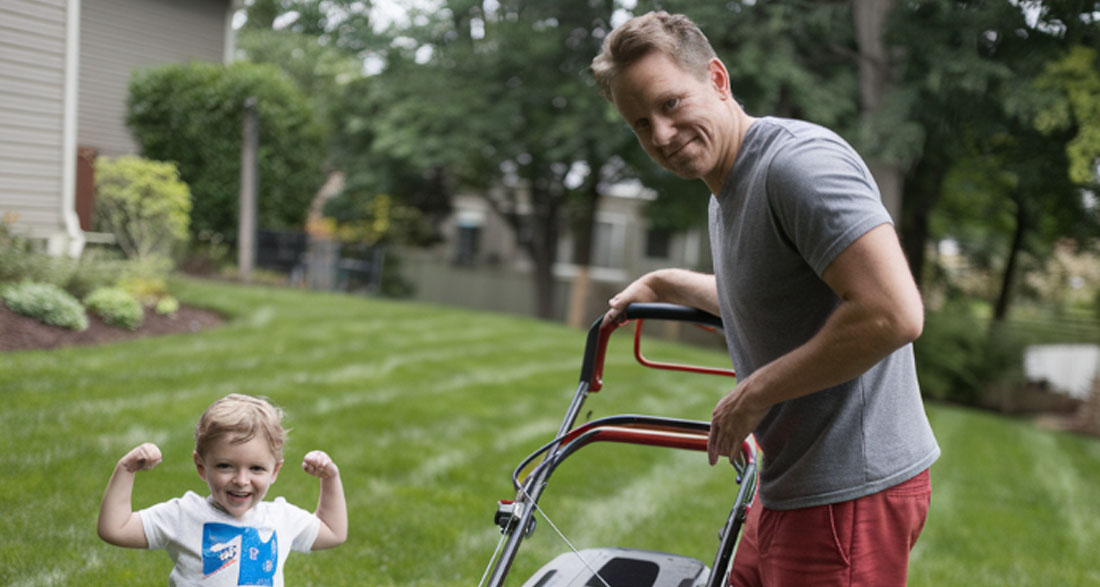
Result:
[[819, 308]]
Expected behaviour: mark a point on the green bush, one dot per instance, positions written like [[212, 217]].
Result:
[[19, 261], [143, 204], [116, 307], [45, 302], [167, 306], [192, 114], [146, 287], [96, 268], [959, 358]]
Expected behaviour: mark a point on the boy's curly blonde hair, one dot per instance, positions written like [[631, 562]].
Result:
[[240, 418]]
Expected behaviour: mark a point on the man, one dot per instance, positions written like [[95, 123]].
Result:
[[819, 308]]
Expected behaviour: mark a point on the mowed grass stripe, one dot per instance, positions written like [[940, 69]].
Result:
[[428, 410]]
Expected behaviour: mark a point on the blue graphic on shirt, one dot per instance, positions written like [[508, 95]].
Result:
[[224, 544]]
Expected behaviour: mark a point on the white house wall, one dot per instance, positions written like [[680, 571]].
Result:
[[32, 108]]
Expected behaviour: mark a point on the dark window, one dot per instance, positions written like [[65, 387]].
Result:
[[466, 245], [657, 243]]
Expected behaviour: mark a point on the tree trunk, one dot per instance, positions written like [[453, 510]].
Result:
[[922, 190], [542, 257], [585, 223], [874, 85], [1004, 299], [543, 246]]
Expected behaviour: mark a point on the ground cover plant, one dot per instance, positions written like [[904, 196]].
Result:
[[427, 410]]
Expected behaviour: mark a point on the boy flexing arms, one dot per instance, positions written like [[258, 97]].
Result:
[[231, 537]]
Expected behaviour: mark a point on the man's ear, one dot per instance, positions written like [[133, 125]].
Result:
[[719, 78], [198, 465]]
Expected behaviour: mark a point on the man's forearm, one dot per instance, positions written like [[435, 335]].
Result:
[[852, 341], [688, 288]]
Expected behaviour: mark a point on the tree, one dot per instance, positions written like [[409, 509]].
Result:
[[1076, 81], [973, 68], [563, 140], [328, 76], [343, 25], [501, 100], [191, 114]]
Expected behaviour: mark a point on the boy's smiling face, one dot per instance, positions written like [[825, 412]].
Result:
[[239, 474]]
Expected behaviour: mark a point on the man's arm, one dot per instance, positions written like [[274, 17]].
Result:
[[332, 509], [880, 311], [673, 286], [118, 523]]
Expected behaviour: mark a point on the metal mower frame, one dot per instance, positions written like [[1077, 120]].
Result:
[[515, 517]]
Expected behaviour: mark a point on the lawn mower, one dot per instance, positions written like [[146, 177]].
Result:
[[614, 566]]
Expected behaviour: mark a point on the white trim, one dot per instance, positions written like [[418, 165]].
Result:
[[230, 43], [75, 241]]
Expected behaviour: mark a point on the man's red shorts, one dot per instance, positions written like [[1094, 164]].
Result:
[[865, 541]]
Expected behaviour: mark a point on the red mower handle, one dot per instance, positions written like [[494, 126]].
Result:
[[598, 335]]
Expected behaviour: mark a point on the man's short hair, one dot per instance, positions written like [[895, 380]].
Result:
[[674, 35], [239, 418]]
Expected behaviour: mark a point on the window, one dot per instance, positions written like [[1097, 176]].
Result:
[[658, 243], [608, 245], [466, 245]]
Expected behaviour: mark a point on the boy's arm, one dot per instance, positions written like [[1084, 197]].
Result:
[[332, 509], [118, 523]]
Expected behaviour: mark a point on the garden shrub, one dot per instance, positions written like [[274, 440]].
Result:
[[45, 302], [147, 289], [96, 268], [20, 261], [116, 307], [192, 114], [959, 357], [167, 306], [143, 204]]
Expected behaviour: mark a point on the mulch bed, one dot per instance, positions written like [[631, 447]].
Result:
[[18, 332]]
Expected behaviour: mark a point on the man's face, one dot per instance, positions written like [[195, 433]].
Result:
[[678, 118]]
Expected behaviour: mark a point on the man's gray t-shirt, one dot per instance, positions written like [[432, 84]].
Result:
[[796, 197]]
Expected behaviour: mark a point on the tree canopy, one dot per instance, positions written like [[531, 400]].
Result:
[[981, 116], [191, 114]]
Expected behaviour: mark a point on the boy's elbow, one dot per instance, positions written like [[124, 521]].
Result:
[[103, 530], [128, 535], [329, 538], [109, 537]]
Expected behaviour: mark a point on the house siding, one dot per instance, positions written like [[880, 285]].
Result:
[[32, 109], [119, 36]]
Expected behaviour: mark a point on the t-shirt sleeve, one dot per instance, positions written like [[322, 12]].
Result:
[[302, 525], [160, 520], [824, 198]]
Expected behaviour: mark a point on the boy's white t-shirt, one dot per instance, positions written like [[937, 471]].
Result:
[[213, 549]]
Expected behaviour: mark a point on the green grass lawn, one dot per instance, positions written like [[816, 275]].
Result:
[[427, 411]]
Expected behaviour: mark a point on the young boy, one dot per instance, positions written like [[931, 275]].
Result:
[[232, 537]]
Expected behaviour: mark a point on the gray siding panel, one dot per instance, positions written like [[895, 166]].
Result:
[[116, 37], [119, 36], [32, 90]]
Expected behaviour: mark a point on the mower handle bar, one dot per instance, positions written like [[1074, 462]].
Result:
[[596, 346]]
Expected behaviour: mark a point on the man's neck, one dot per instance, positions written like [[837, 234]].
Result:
[[739, 125]]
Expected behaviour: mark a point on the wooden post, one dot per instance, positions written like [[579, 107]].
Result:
[[246, 229]]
